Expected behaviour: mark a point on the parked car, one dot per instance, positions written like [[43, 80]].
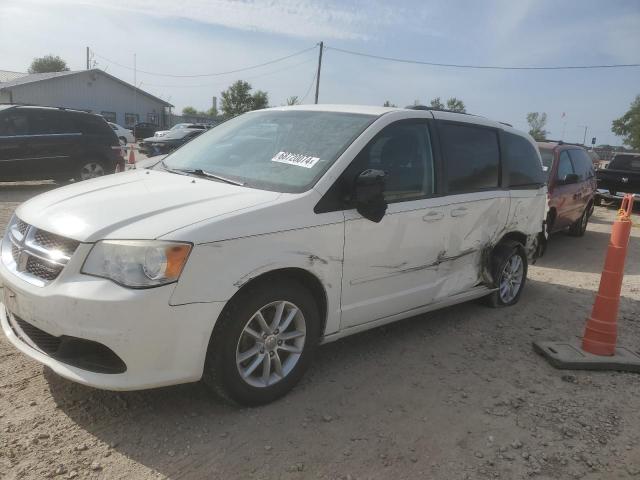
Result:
[[124, 135], [178, 126], [144, 129], [572, 186], [621, 176], [38, 143], [160, 145], [235, 256]]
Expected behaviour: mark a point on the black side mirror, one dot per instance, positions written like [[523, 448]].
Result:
[[570, 178], [368, 194]]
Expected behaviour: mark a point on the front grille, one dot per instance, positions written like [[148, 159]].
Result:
[[36, 255], [42, 269], [74, 351], [21, 226], [44, 341], [53, 242]]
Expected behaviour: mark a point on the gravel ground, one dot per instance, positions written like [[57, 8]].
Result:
[[453, 394]]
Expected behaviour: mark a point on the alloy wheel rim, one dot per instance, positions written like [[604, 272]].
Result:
[[271, 344], [511, 279], [91, 170], [585, 219]]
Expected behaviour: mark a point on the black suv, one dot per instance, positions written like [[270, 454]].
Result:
[[38, 143]]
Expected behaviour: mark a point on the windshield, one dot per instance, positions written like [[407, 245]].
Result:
[[179, 126], [283, 151], [547, 159]]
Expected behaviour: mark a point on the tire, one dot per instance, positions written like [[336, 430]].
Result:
[[501, 260], [579, 227], [230, 342], [597, 200], [91, 169]]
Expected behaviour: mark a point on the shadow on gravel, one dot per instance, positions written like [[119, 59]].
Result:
[[363, 393], [565, 252], [23, 191]]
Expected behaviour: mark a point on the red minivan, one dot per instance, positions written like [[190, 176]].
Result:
[[572, 185]]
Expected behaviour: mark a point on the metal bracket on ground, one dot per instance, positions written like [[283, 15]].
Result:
[[569, 356]]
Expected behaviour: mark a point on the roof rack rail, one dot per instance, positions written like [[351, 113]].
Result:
[[507, 124], [562, 142], [424, 107]]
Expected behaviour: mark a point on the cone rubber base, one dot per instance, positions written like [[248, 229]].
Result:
[[569, 356]]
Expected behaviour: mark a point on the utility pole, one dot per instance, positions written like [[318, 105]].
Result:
[[135, 91], [584, 139], [319, 67], [88, 62]]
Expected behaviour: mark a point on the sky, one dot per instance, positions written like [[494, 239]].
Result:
[[195, 37]]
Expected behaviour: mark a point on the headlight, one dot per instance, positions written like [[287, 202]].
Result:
[[137, 263]]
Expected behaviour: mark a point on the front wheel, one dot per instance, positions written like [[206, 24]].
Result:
[[263, 342], [509, 271], [579, 228]]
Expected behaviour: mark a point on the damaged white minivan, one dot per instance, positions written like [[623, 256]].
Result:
[[235, 256]]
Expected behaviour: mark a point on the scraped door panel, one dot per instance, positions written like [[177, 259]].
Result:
[[475, 222], [392, 266]]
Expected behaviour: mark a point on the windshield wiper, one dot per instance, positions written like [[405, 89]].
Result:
[[200, 173]]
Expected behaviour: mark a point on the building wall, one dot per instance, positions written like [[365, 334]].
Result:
[[90, 91]]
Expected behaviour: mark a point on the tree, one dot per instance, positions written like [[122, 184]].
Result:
[[387, 103], [48, 63], [436, 104], [189, 111], [212, 112], [293, 101], [537, 121], [628, 125], [456, 105], [238, 99]]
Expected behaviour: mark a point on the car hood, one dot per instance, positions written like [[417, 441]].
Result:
[[139, 204]]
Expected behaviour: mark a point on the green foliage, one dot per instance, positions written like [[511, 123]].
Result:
[[293, 101], [456, 105], [48, 63], [387, 103], [238, 99], [628, 126], [189, 111], [537, 121], [437, 104]]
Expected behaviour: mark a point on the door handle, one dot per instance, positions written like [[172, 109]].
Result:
[[433, 216], [459, 212]]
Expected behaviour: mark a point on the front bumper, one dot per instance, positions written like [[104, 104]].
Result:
[[160, 344]]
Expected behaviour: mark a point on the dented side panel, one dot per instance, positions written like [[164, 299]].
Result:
[[527, 214]]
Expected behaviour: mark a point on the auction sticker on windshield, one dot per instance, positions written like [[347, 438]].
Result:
[[298, 159]]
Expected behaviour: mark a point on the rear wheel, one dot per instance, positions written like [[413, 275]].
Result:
[[579, 228], [91, 169], [509, 271], [263, 342]]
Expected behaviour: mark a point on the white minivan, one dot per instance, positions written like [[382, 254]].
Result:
[[234, 257]]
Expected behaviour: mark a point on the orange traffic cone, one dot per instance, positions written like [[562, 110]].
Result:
[[601, 331], [598, 350], [132, 157]]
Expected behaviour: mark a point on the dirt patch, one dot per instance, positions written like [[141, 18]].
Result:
[[454, 394]]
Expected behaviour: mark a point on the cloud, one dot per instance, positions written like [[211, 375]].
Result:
[[334, 19]]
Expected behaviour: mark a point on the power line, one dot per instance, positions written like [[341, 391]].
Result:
[[313, 80], [288, 67], [243, 69], [480, 67]]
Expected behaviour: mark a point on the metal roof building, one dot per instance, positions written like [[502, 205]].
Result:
[[90, 90]]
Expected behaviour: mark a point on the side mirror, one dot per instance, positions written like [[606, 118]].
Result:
[[570, 178], [368, 194]]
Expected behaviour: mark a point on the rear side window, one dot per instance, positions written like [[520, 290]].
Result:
[[50, 122], [564, 166], [582, 164], [14, 122], [472, 157], [522, 161], [92, 125]]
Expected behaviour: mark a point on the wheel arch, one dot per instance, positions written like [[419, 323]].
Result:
[[306, 278]]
